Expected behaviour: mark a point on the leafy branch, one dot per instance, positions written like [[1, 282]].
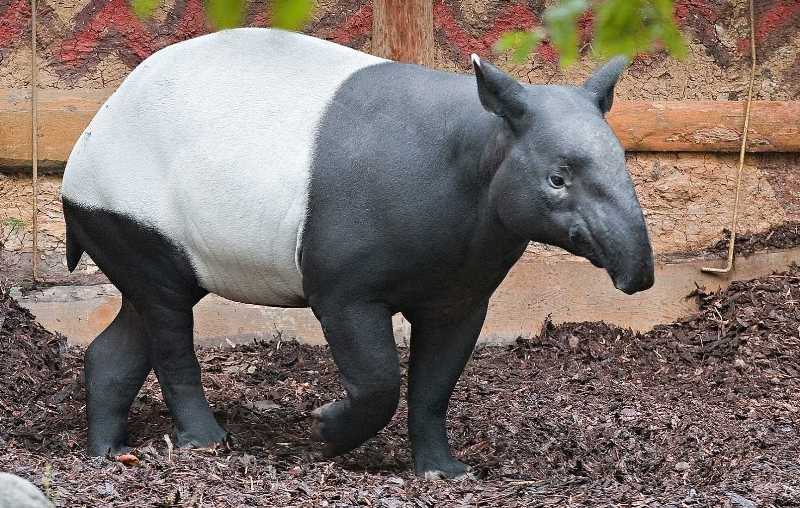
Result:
[[286, 14], [626, 27]]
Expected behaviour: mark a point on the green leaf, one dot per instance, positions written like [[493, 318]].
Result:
[[635, 26], [626, 27], [560, 21], [291, 14], [618, 28], [144, 8], [520, 43], [667, 31], [225, 13]]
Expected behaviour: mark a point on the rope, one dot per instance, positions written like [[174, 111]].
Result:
[[732, 244], [34, 141]]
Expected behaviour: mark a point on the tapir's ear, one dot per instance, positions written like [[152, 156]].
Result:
[[499, 93], [601, 84]]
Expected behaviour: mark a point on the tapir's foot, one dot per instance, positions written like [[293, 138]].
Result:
[[325, 428], [443, 470], [342, 429], [108, 438], [441, 466], [107, 447], [211, 436]]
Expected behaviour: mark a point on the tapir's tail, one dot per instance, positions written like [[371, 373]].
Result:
[[74, 250]]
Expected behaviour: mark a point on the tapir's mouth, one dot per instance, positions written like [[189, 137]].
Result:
[[583, 245], [629, 274], [595, 260], [628, 259]]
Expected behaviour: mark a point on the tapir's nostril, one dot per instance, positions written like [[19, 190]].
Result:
[[582, 245]]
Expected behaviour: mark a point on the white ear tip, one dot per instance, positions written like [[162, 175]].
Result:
[[476, 60]]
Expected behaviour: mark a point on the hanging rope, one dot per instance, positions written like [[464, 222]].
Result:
[[34, 141], [732, 244]]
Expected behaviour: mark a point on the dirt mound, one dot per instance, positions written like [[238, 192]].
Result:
[[701, 412], [36, 371]]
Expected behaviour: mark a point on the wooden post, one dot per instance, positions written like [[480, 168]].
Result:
[[402, 30]]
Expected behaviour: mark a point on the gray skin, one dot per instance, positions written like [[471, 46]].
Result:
[[442, 200], [425, 190]]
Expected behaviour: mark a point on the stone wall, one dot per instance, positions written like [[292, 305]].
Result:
[[687, 196]]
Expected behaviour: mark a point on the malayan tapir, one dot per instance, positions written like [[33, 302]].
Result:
[[278, 169]]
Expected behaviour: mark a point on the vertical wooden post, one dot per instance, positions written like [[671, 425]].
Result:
[[34, 145], [402, 30]]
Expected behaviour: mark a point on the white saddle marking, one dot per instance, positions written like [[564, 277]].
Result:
[[210, 142]]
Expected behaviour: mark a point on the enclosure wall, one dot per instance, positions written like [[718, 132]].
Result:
[[687, 197]]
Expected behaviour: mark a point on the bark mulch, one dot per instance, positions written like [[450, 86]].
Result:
[[783, 236], [701, 412]]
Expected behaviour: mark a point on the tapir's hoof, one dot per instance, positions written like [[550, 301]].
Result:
[[107, 450], [212, 438], [323, 418], [441, 475], [329, 450], [316, 425], [452, 470]]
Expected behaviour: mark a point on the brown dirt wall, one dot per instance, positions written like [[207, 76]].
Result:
[[95, 43], [687, 197], [687, 200]]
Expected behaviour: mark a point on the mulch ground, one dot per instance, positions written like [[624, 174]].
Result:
[[783, 236], [702, 412]]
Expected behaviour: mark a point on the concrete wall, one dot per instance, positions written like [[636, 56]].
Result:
[[687, 196]]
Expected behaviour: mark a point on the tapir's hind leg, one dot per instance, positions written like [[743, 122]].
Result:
[[172, 355], [157, 280], [116, 365]]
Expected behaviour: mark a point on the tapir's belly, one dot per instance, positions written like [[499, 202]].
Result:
[[211, 142]]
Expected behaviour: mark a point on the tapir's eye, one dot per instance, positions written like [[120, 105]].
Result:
[[556, 181]]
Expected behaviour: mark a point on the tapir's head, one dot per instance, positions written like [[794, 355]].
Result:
[[559, 171]]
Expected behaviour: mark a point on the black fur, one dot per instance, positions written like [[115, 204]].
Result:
[[421, 201], [153, 329], [401, 222], [74, 250]]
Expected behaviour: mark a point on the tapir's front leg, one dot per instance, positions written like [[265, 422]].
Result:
[[362, 343], [439, 350]]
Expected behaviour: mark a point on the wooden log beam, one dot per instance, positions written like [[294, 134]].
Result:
[[642, 126], [402, 30], [63, 114], [706, 126]]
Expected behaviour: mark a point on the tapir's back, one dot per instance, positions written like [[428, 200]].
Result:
[[210, 142]]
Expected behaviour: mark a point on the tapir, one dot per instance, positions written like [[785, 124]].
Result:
[[278, 169]]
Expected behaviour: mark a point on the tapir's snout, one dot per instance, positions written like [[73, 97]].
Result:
[[629, 256], [619, 243], [637, 278]]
